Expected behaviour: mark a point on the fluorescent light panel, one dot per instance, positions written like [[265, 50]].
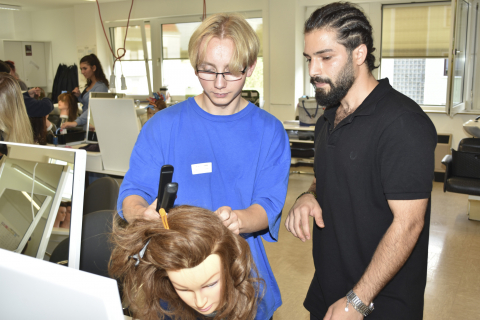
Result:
[[10, 7], [31, 200]]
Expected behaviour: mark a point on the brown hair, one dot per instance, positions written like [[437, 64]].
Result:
[[92, 60], [39, 127], [194, 234], [70, 99]]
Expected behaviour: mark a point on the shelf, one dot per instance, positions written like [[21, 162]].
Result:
[[301, 141], [298, 127], [302, 160]]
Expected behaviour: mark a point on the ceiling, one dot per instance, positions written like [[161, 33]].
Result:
[[31, 5]]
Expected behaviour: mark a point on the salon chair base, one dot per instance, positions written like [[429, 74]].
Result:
[[474, 208]]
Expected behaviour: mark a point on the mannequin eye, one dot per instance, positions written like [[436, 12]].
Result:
[[211, 285]]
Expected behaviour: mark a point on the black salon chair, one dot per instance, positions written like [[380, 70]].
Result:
[[96, 249], [102, 194], [462, 174]]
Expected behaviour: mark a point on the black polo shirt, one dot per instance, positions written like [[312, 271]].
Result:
[[382, 151]]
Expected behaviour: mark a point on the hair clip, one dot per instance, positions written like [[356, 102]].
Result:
[[163, 214], [140, 255]]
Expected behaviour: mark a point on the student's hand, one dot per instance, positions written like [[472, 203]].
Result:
[[76, 92], [297, 220], [337, 311], [229, 219], [67, 124], [34, 92]]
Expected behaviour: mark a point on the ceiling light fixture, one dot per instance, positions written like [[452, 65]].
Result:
[[10, 7]]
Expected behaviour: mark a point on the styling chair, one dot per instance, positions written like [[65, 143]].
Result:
[[102, 194], [462, 173]]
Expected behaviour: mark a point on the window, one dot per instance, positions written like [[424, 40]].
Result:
[[177, 72], [136, 65], [415, 46], [421, 60]]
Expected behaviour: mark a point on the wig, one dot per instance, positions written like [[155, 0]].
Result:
[[194, 234], [71, 101], [14, 123], [39, 127], [92, 60]]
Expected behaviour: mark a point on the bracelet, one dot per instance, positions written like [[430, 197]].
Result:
[[307, 192], [358, 305]]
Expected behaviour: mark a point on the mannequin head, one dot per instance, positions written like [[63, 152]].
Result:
[[153, 108], [67, 104], [197, 266], [61, 214]]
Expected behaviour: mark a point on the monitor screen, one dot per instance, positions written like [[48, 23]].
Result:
[[35, 181]]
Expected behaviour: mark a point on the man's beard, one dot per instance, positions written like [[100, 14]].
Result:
[[339, 90]]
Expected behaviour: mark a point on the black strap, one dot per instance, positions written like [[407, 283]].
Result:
[[316, 111]]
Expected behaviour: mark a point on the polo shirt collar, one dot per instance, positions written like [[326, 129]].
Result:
[[368, 105]]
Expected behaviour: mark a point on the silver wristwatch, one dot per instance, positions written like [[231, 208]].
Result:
[[358, 304]]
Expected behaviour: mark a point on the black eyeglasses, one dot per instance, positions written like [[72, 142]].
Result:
[[212, 76]]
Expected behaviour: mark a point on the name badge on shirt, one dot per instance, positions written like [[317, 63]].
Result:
[[200, 168]]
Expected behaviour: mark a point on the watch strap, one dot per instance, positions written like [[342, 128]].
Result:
[[355, 301]]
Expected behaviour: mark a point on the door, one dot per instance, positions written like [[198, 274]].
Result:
[[35, 72]]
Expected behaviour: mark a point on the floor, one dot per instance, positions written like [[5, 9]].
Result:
[[453, 284]]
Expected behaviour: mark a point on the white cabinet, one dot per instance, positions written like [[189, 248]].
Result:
[[31, 59]]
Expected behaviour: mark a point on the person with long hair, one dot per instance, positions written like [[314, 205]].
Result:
[[39, 128], [190, 261], [14, 123], [13, 72], [91, 69]]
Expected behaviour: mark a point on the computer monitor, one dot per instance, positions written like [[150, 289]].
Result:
[[34, 180], [35, 289], [97, 95]]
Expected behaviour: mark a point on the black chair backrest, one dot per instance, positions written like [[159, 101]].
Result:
[[96, 248], [102, 194], [466, 164], [60, 253]]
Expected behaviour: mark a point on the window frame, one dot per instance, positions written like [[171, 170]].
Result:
[[146, 55], [157, 48]]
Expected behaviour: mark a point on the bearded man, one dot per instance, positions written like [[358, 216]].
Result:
[[374, 162]]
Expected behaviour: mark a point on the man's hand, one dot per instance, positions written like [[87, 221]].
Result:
[[67, 124], [297, 219], [229, 218], [76, 92], [337, 311]]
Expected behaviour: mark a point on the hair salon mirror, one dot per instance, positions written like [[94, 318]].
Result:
[[34, 180], [90, 123]]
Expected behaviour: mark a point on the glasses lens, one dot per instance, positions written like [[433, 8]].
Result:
[[232, 77], [206, 75]]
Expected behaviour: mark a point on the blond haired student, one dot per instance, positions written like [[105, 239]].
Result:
[[230, 156], [14, 123]]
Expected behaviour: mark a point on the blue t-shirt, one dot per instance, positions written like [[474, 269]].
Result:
[[249, 154]]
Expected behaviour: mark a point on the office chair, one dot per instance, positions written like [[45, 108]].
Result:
[[95, 250], [102, 194], [462, 174]]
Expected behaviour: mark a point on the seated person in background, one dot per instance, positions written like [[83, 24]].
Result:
[[154, 106], [91, 69], [35, 107], [61, 215], [14, 123], [190, 261], [14, 73]]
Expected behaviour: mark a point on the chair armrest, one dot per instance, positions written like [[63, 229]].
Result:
[[447, 161]]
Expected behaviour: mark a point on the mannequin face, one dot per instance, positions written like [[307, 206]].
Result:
[[87, 70], [200, 287], [62, 105]]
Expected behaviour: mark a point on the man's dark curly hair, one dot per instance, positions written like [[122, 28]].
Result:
[[349, 22]]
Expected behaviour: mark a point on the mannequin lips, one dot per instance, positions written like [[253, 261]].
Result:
[[205, 310]]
